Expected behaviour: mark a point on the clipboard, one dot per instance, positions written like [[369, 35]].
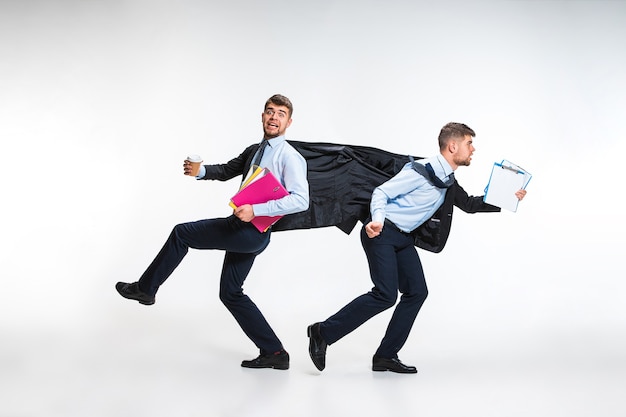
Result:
[[260, 187], [506, 179]]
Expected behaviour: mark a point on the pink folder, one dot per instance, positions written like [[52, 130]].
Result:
[[263, 188]]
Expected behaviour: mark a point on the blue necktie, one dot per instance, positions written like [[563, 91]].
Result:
[[428, 172], [259, 154]]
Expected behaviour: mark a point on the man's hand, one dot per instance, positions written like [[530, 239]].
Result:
[[245, 213], [186, 167], [520, 194], [373, 229]]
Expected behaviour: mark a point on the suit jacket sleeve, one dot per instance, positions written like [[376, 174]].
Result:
[[471, 204], [234, 167]]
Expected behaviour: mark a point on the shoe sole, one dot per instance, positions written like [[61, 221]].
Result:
[[146, 303], [278, 367], [384, 368]]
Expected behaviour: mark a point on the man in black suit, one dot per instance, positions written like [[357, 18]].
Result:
[[412, 208], [236, 235]]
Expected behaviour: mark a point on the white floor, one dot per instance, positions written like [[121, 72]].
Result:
[[161, 361]]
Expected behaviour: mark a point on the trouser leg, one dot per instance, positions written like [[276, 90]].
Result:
[[244, 310], [381, 256], [412, 285], [229, 234], [242, 243]]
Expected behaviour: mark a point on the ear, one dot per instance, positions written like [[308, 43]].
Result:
[[289, 122], [452, 145]]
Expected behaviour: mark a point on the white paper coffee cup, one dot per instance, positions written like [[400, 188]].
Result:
[[195, 161]]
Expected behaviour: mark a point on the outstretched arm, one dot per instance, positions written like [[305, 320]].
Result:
[[222, 172]]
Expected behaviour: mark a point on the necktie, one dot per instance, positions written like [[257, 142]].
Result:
[[428, 172], [259, 153]]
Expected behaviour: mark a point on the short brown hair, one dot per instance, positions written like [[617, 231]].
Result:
[[280, 100], [454, 131]]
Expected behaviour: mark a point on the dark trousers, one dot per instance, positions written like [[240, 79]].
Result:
[[394, 266], [242, 243]]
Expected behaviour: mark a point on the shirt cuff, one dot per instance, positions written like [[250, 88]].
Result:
[[201, 173], [261, 209], [379, 217]]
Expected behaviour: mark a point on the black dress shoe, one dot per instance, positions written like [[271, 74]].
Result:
[[132, 292], [393, 365], [277, 360], [317, 346]]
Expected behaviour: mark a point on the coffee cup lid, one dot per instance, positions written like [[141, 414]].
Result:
[[194, 158]]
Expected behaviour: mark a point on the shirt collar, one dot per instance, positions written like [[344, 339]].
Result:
[[275, 141], [442, 167]]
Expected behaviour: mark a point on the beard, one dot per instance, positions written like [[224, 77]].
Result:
[[463, 162], [274, 133]]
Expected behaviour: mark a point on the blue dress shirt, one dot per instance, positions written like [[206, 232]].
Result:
[[408, 199]]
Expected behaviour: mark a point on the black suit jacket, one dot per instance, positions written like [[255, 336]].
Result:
[[432, 235], [341, 181]]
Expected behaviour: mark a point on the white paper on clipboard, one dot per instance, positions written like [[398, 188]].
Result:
[[506, 179]]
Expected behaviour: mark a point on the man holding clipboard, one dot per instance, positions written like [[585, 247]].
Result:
[[236, 234], [413, 208]]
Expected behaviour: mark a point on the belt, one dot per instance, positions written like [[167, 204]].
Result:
[[393, 226]]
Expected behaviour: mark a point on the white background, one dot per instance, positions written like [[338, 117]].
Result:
[[100, 101]]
